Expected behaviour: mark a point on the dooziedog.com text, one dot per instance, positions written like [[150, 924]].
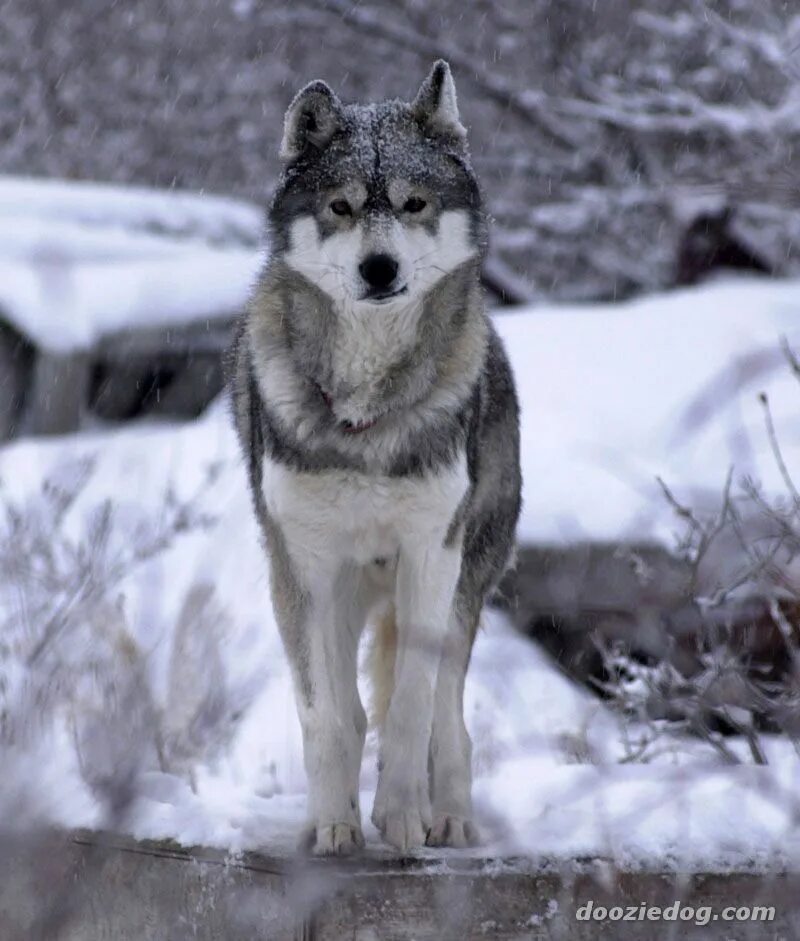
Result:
[[700, 915]]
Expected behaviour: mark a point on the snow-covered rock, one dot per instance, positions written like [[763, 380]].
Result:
[[119, 292], [80, 261]]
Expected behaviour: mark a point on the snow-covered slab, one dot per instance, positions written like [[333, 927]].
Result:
[[80, 261], [124, 887]]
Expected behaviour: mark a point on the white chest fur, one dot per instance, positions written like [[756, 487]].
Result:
[[345, 515], [369, 339]]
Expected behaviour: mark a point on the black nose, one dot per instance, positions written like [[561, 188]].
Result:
[[378, 271]]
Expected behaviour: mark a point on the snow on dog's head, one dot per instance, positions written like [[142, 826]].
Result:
[[377, 203]]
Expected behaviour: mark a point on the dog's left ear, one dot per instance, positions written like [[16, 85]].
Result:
[[436, 107], [312, 119]]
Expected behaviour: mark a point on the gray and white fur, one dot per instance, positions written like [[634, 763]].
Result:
[[376, 410]]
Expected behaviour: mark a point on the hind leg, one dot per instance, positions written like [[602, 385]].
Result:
[[450, 760]]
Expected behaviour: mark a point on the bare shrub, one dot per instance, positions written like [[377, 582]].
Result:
[[744, 584], [67, 652]]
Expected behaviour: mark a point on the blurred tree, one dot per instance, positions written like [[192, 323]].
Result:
[[601, 131]]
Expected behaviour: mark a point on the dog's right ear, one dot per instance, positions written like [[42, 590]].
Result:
[[312, 119]]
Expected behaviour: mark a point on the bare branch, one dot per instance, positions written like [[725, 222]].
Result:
[[776, 450], [532, 109]]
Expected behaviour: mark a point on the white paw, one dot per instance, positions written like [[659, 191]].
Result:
[[333, 839], [405, 830], [403, 816], [449, 830]]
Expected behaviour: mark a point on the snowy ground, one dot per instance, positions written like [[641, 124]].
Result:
[[611, 397]]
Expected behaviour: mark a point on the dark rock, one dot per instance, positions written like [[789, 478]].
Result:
[[56, 399], [169, 372], [711, 243], [577, 601], [16, 362]]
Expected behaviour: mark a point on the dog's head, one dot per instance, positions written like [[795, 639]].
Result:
[[377, 203]]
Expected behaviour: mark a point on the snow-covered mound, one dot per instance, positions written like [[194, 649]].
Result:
[[136, 208], [79, 261], [614, 395], [611, 396]]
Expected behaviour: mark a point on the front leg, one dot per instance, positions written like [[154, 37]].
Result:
[[451, 749], [427, 575], [320, 614]]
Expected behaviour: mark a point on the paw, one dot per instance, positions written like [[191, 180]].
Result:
[[449, 830], [403, 817], [405, 830], [333, 839]]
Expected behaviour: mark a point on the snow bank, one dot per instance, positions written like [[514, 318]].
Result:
[[81, 260], [548, 778], [516, 703], [614, 395]]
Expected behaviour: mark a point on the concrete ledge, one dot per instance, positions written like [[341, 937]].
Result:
[[91, 886]]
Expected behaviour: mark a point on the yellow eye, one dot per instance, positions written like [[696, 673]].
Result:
[[341, 207], [414, 204]]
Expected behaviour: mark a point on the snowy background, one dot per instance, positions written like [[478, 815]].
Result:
[[625, 149], [600, 130]]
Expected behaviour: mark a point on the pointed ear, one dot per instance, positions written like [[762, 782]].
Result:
[[312, 119], [435, 106]]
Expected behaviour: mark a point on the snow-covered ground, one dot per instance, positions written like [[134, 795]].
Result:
[[611, 397]]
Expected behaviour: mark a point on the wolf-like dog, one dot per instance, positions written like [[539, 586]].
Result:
[[378, 418]]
